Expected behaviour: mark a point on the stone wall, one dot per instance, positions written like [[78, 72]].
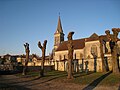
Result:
[[88, 45], [35, 68]]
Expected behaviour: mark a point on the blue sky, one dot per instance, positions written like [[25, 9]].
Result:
[[29, 21]]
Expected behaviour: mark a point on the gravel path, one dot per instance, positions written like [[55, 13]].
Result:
[[12, 82]]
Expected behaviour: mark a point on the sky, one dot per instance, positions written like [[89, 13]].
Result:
[[31, 21]]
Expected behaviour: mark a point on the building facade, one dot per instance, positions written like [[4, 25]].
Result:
[[87, 55], [34, 60]]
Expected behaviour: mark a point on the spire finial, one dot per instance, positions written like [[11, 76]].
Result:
[[59, 14]]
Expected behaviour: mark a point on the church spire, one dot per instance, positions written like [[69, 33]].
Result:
[[59, 26], [58, 35]]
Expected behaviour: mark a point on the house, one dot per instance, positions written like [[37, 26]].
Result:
[[7, 57], [34, 60], [10, 58]]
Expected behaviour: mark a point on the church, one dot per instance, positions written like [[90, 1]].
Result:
[[87, 53]]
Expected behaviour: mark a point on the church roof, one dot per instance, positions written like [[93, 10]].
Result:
[[78, 44], [95, 37], [59, 26]]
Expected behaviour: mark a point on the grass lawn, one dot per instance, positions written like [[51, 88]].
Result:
[[81, 78], [98, 78], [111, 80]]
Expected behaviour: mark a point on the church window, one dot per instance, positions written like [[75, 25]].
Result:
[[94, 50]]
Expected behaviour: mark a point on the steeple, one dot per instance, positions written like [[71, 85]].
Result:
[[58, 35], [59, 26]]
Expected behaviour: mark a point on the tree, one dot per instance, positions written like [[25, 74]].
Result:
[[27, 58], [70, 54], [113, 38], [43, 49], [102, 54], [94, 54]]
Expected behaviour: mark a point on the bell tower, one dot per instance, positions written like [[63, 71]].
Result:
[[58, 35]]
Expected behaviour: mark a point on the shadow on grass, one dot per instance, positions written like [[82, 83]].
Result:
[[119, 88], [92, 85], [37, 78], [4, 86], [7, 72], [51, 76], [50, 79], [82, 74]]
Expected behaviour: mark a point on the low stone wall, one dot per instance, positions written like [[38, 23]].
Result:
[[35, 68]]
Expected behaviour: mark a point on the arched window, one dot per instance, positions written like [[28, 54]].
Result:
[[94, 50]]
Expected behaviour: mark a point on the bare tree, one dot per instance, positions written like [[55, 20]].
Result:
[[102, 54], [94, 54], [27, 58], [113, 38], [70, 54], [43, 49], [82, 65]]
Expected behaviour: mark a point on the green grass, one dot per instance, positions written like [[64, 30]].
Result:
[[112, 79], [79, 78], [84, 78], [47, 74], [29, 74]]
